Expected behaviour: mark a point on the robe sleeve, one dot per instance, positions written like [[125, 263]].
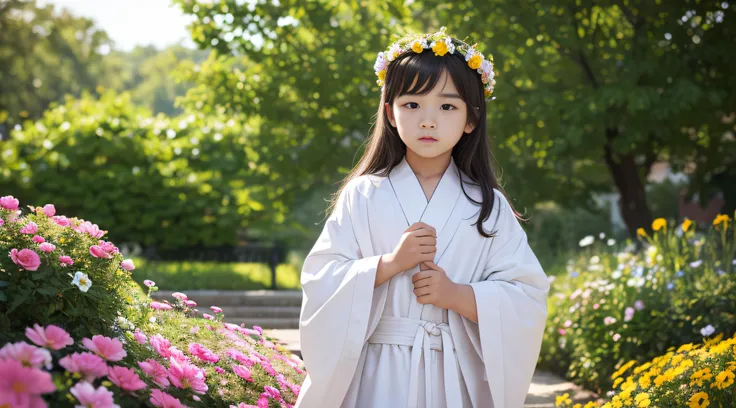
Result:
[[511, 299], [338, 286]]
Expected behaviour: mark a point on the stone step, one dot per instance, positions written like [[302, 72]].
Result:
[[266, 322], [257, 311], [223, 298]]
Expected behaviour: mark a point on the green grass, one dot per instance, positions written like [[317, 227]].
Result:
[[214, 275]]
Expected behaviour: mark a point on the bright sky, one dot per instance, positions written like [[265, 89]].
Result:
[[133, 22]]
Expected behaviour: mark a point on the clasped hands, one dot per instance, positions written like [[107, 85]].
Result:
[[418, 246]]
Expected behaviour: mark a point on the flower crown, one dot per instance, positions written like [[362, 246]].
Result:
[[441, 44]]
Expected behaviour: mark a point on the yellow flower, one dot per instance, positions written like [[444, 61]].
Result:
[[723, 380], [641, 233], [659, 223], [417, 47], [721, 218], [486, 93], [617, 381], [577, 405], [382, 75], [686, 224], [642, 400], [645, 381], [720, 348], [475, 61], [685, 347], [440, 48], [590, 404], [699, 400], [700, 376], [563, 399]]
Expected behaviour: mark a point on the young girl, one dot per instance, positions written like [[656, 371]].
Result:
[[422, 290]]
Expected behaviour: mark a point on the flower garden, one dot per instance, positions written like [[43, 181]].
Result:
[[653, 327], [76, 330]]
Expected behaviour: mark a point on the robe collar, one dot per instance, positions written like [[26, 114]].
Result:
[[437, 210]]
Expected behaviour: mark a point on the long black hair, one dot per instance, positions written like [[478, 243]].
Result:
[[472, 154]]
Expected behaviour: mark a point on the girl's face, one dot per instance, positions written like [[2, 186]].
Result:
[[440, 114]]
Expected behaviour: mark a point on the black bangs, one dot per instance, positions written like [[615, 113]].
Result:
[[418, 74]]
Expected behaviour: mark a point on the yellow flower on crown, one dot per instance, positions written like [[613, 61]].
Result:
[[440, 48], [474, 61], [417, 47]]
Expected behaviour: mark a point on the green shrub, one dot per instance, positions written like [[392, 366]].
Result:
[[36, 286], [612, 308]]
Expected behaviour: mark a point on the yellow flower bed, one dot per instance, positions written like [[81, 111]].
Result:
[[694, 376]]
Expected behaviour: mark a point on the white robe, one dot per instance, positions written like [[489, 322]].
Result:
[[378, 348]]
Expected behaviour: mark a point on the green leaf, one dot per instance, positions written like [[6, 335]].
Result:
[[18, 299]]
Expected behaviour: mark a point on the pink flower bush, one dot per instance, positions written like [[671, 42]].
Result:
[[62, 221], [190, 303], [30, 228], [161, 345], [22, 386], [66, 260], [163, 400], [26, 259], [26, 354], [39, 239], [88, 365], [140, 337], [91, 397], [9, 203], [149, 283], [105, 347], [208, 316], [156, 371], [185, 375], [125, 378], [103, 250], [180, 296], [52, 337], [203, 353], [215, 309]]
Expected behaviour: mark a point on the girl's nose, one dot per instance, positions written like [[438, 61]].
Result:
[[428, 125]]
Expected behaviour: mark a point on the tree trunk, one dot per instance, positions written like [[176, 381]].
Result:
[[633, 201]]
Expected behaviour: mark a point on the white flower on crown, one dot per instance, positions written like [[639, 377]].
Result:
[[394, 52], [381, 63], [470, 54], [450, 45]]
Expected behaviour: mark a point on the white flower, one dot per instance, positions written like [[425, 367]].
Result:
[[380, 64], [707, 330], [470, 54], [450, 45], [394, 52], [125, 323], [595, 259], [82, 281], [586, 241], [602, 235], [611, 242]]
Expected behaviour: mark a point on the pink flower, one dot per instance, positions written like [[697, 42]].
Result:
[[149, 283], [616, 337], [9, 203], [190, 303], [140, 337], [46, 247], [178, 355], [163, 400], [22, 386], [263, 401], [98, 252], [639, 305], [2, 222], [160, 306], [272, 392], [258, 329], [203, 353], [66, 260], [215, 309], [52, 337], [125, 378], [26, 354], [208, 316], [38, 239], [161, 345], [62, 220], [596, 306], [25, 258], [242, 372], [88, 365], [89, 397], [127, 264], [91, 229], [156, 371], [194, 330], [180, 296], [242, 358], [105, 347], [561, 331], [49, 210], [244, 405], [219, 370], [30, 228], [184, 375]]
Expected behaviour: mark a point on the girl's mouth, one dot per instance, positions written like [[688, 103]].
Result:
[[427, 139]]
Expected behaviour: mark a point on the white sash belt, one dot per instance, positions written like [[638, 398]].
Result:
[[423, 336]]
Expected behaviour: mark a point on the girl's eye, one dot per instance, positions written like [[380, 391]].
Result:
[[411, 103], [450, 106], [446, 106]]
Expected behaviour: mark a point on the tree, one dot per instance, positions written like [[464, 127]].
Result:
[[588, 88]]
